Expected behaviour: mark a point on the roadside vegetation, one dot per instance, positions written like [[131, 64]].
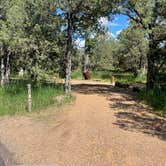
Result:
[[105, 76], [156, 99], [14, 97]]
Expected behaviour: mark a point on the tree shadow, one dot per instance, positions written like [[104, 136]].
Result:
[[132, 121], [130, 114], [138, 118], [101, 89]]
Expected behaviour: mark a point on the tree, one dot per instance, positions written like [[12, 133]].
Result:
[[75, 15], [102, 53], [133, 49], [31, 39], [11, 28], [43, 38], [92, 25], [149, 15]]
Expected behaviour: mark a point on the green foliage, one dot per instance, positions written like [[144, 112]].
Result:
[[29, 35], [33, 34], [130, 50], [150, 17], [156, 99], [101, 56], [13, 97]]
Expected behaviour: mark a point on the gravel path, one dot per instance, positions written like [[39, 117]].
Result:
[[104, 127]]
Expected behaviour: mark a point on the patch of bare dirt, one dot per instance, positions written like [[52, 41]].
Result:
[[105, 126]]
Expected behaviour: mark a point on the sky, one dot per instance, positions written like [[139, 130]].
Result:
[[115, 26]]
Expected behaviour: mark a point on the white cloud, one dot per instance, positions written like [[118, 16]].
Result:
[[118, 32], [110, 35], [105, 22], [80, 43]]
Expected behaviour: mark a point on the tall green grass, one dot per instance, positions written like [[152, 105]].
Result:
[[155, 98], [77, 74], [13, 97], [105, 76]]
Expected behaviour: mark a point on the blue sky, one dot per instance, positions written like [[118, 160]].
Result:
[[115, 26]]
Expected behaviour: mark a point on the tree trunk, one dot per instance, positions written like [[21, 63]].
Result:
[[141, 62], [151, 66], [2, 67], [2, 72], [21, 72], [7, 68], [86, 55], [68, 54]]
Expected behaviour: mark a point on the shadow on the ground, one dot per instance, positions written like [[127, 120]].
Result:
[[130, 115], [101, 89]]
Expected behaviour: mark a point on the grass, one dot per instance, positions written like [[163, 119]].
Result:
[[77, 74], [13, 97], [156, 99], [124, 77]]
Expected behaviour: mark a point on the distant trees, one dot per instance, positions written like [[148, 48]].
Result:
[[77, 17], [132, 50], [101, 54]]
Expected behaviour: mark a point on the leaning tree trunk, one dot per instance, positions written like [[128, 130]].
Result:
[[86, 55], [68, 54], [151, 65]]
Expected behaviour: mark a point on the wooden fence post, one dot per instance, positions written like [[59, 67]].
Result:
[[29, 98], [113, 80]]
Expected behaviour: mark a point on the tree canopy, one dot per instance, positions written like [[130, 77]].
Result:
[[38, 36]]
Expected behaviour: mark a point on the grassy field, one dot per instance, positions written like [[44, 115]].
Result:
[[13, 98], [124, 77]]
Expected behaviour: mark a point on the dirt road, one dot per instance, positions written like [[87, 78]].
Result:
[[104, 127]]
